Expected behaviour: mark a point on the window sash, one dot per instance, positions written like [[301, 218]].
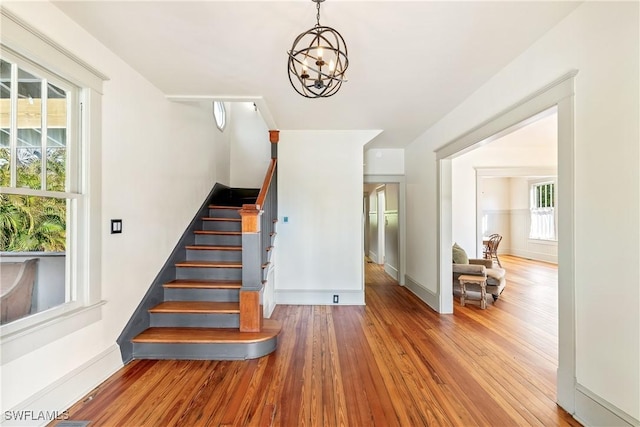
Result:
[[542, 207], [220, 115], [34, 47], [76, 294], [72, 173]]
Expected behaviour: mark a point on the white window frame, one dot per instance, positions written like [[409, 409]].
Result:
[[220, 115], [74, 194], [535, 210], [30, 48]]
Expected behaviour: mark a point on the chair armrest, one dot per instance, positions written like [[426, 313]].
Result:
[[488, 263], [476, 270]]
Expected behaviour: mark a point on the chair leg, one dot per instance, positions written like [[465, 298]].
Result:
[[498, 260]]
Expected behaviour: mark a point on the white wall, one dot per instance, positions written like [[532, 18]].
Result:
[[600, 40], [495, 212], [159, 163], [384, 161], [320, 181], [250, 146]]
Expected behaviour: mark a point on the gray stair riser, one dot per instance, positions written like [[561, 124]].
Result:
[[224, 213], [189, 320], [198, 273], [213, 255], [219, 295], [217, 239], [204, 351], [221, 225]]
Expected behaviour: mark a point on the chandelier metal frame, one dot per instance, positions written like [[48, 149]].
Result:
[[318, 60]]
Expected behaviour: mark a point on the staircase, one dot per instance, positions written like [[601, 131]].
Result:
[[196, 314]]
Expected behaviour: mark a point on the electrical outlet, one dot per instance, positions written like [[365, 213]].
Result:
[[336, 299]]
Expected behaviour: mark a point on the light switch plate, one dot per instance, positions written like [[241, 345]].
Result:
[[116, 226]]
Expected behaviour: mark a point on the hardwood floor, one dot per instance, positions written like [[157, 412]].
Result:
[[393, 362]]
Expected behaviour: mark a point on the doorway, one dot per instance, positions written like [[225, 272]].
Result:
[[559, 93], [384, 224]]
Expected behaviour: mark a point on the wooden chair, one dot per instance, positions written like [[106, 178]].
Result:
[[491, 248]]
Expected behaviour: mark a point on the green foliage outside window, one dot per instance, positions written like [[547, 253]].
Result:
[[544, 195], [33, 223]]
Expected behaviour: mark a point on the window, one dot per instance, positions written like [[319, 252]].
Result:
[[40, 190], [50, 145], [543, 216], [220, 114]]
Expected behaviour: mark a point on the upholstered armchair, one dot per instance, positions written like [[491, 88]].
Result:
[[495, 277], [18, 279]]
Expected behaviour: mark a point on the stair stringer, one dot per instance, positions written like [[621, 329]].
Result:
[[141, 318]]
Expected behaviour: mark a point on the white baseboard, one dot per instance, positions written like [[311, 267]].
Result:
[[53, 400], [429, 297], [391, 271], [295, 297], [592, 410], [537, 256], [268, 309]]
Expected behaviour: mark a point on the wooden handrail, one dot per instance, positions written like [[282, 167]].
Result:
[[266, 184], [250, 213]]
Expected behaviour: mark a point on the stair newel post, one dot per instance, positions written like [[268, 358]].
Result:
[[274, 137], [251, 309]]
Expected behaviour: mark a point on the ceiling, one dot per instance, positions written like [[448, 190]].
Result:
[[410, 62], [540, 134]]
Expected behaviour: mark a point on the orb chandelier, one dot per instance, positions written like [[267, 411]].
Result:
[[318, 60]]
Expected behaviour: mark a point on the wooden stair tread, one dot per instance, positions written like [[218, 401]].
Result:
[[220, 233], [210, 264], [213, 248], [271, 328], [197, 307], [222, 219], [225, 207], [203, 284]]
